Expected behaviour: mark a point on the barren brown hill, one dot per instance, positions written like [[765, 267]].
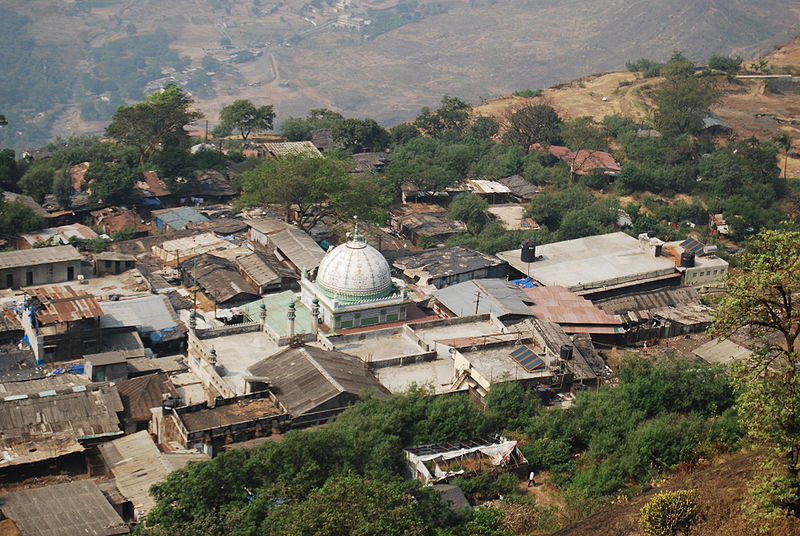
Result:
[[721, 491], [322, 53]]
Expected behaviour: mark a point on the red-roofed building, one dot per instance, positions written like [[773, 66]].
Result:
[[584, 161], [573, 313], [62, 323], [113, 219]]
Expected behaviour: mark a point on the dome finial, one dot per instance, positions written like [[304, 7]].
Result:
[[356, 235]]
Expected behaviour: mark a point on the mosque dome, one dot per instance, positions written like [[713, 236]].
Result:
[[355, 271]]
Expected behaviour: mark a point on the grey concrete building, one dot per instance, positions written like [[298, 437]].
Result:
[[39, 266]]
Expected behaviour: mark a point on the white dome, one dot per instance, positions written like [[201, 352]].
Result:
[[354, 271]]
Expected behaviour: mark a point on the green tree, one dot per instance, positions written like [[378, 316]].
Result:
[[403, 133], [683, 100], [299, 129], [487, 522], [484, 127], [450, 119], [9, 170], [311, 186], [62, 190], [725, 63], [37, 182], [359, 135], [110, 183], [762, 298], [582, 133], [16, 218], [784, 140], [355, 506], [247, 118], [156, 122], [532, 124], [471, 209]]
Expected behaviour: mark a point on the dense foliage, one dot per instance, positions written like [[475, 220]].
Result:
[[665, 412], [762, 299]]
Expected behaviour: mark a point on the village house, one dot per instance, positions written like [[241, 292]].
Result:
[[440, 267], [39, 266]]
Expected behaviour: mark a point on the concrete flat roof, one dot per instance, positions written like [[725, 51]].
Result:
[[239, 352], [443, 334], [496, 364], [382, 344], [591, 262], [436, 374]]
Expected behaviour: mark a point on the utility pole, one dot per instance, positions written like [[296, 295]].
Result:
[[477, 300]]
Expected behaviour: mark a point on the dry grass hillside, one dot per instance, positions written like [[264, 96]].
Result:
[[475, 49], [721, 491], [746, 104]]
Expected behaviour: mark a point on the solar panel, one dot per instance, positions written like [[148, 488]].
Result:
[[527, 358], [693, 246]]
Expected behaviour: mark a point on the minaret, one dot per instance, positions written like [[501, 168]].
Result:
[[262, 314], [290, 316], [212, 356], [193, 321], [315, 314]]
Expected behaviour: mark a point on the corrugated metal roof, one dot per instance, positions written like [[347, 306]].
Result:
[[63, 509], [482, 186], [292, 147], [36, 256], [442, 262], [496, 296], [298, 247], [559, 305], [657, 299], [64, 304], [141, 394], [722, 351], [147, 314], [178, 218], [306, 377], [37, 428], [137, 464], [257, 269]]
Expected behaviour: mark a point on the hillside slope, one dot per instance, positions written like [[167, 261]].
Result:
[[721, 492], [298, 58]]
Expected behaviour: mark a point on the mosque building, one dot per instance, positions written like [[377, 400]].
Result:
[[354, 287]]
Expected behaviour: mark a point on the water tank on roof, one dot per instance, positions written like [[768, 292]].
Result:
[[528, 253], [566, 352], [687, 259]]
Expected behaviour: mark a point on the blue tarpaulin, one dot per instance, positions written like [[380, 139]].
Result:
[[524, 283]]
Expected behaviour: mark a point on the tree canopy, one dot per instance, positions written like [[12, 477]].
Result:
[[683, 100], [246, 118], [762, 299], [359, 135], [156, 122], [533, 124]]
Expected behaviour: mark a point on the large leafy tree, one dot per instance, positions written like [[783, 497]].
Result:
[[532, 124], [357, 506], [450, 119], [17, 218], [683, 99], [110, 183], [37, 181], [156, 122], [312, 187], [359, 135], [762, 300], [246, 118]]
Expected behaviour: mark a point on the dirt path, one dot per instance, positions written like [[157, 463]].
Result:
[[543, 492]]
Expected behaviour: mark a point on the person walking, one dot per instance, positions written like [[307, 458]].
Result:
[[531, 481]]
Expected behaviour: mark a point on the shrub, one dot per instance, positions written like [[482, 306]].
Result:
[[669, 513], [528, 93]]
